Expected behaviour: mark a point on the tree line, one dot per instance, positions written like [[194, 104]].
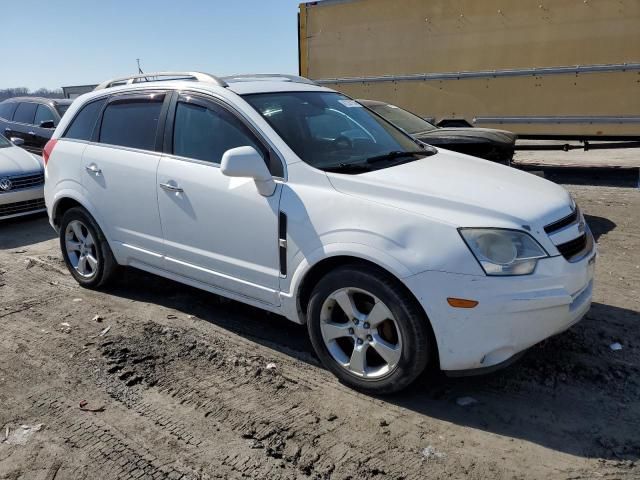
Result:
[[25, 92]]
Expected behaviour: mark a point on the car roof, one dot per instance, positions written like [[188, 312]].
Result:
[[241, 84], [48, 101]]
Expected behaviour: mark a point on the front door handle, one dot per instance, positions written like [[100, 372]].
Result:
[[8, 130], [93, 168], [171, 188], [33, 134]]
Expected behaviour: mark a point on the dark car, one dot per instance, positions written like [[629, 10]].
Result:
[[31, 119], [495, 145]]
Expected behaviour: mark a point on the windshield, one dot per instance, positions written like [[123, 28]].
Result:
[[4, 142], [332, 132], [409, 122]]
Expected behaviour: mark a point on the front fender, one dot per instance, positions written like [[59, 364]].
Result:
[[356, 250]]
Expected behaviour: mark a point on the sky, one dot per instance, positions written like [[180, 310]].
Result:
[[78, 42]]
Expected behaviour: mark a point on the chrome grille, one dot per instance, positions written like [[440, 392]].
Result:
[[22, 207], [576, 248], [22, 182]]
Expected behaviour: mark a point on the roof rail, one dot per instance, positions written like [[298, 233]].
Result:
[[248, 77], [160, 76]]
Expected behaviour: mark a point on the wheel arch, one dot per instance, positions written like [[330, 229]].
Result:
[[316, 272]]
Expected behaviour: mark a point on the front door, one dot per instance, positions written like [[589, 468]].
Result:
[[217, 230]]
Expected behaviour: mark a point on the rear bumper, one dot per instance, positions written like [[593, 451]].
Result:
[[22, 202], [513, 313]]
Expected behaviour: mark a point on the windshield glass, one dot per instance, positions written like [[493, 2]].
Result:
[[332, 132], [409, 122], [4, 142]]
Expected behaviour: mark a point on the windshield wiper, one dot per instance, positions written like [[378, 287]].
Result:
[[348, 168], [397, 154]]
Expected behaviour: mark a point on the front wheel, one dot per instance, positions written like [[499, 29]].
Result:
[[368, 330], [85, 249]]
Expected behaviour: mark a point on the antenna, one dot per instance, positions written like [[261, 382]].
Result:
[[139, 68]]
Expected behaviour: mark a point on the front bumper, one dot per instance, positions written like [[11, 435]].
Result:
[[22, 202], [513, 313]]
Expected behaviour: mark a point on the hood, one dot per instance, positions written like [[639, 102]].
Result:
[[15, 161], [462, 191], [469, 135]]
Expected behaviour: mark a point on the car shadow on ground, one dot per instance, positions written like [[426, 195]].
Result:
[[568, 393], [25, 231]]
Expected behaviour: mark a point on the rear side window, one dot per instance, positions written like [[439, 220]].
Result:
[[205, 133], [132, 122], [44, 114], [6, 110], [25, 113], [82, 125]]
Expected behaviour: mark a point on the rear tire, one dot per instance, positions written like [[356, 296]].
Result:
[[368, 330], [85, 249]]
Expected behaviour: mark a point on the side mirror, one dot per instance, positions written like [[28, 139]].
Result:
[[47, 124], [248, 163], [18, 142]]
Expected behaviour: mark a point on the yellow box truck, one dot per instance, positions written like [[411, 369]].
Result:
[[541, 68]]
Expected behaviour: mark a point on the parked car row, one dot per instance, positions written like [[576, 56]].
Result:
[[298, 200]]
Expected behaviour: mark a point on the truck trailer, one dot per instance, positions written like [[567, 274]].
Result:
[[566, 69]]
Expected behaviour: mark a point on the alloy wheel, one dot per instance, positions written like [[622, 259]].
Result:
[[361, 333], [81, 249]]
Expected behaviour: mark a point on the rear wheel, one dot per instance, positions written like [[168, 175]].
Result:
[[368, 330], [85, 249]]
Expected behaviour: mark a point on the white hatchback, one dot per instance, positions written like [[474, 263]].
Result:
[[294, 198]]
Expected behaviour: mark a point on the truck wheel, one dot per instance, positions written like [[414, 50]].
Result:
[[368, 330], [85, 249]]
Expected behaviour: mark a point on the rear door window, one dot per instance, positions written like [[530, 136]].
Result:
[[132, 121], [82, 125], [25, 113], [44, 114]]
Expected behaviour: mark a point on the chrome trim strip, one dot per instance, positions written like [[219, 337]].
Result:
[[510, 72], [571, 120]]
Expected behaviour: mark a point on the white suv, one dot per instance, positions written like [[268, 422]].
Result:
[[291, 197]]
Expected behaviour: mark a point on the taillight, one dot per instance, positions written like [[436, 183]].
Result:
[[48, 148]]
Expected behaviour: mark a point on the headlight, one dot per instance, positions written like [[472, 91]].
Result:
[[503, 252]]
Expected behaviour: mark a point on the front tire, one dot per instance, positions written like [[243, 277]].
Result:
[[85, 249], [368, 330]]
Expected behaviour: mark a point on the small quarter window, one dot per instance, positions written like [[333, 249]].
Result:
[[82, 125], [25, 113], [132, 122]]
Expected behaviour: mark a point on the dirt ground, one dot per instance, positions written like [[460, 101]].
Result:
[[188, 385]]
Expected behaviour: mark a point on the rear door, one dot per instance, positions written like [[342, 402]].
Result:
[[119, 174]]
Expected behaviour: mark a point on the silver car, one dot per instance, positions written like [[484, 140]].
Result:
[[21, 180]]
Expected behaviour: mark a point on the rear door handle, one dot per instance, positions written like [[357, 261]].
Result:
[[171, 188], [93, 168]]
